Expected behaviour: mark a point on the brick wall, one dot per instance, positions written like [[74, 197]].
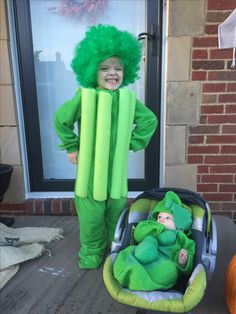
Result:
[[212, 143], [42, 206]]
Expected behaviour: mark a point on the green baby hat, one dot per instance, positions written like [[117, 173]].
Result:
[[172, 204]]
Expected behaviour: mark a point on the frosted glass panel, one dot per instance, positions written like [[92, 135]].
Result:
[[54, 38]]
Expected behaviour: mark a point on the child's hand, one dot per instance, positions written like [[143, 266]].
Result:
[[72, 157], [183, 257]]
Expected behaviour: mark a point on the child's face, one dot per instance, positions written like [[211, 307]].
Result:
[[110, 74], [167, 220]]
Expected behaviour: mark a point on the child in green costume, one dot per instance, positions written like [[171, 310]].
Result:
[[163, 251], [110, 121]]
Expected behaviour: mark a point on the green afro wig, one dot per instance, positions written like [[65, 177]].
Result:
[[100, 43]]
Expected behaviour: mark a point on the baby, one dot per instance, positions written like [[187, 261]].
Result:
[[163, 251], [168, 221]]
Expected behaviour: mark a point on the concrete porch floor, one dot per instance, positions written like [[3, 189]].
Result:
[[49, 285]]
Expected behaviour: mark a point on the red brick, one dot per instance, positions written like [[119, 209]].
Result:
[[219, 160], [47, 206], [56, 206], [209, 98], [217, 197], [195, 159], [208, 65], [203, 119], [227, 98], [203, 169], [231, 87], [229, 129], [213, 87], [217, 16], [203, 149], [223, 169], [211, 29], [13, 206], [206, 129], [212, 109], [215, 205], [65, 206], [198, 139], [221, 76], [229, 206], [200, 54], [230, 108], [29, 205], [199, 75], [38, 206], [217, 178], [207, 187], [221, 54], [205, 41], [227, 188], [229, 66], [221, 139], [73, 208], [29, 211], [214, 119], [198, 179], [221, 4], [228, 149]]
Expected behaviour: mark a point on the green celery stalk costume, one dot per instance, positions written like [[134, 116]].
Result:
[[152, 264], [98, 218], [95, 133], [109, 123]]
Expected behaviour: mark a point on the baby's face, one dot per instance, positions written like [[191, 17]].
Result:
[[167, 220], [110, 74]]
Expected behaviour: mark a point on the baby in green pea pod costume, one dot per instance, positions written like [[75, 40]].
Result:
[[163, 251]]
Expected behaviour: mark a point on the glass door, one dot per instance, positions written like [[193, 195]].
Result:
[[47, 33]]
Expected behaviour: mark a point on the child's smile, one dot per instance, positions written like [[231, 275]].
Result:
[[110, 74]]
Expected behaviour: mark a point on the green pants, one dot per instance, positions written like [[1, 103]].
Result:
[[97, 222]]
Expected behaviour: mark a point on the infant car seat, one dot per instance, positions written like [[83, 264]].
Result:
[[188, 291]]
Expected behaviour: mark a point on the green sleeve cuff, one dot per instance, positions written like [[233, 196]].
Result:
[[71, 149]]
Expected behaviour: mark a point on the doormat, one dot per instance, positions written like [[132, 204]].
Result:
[[18, 245]]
